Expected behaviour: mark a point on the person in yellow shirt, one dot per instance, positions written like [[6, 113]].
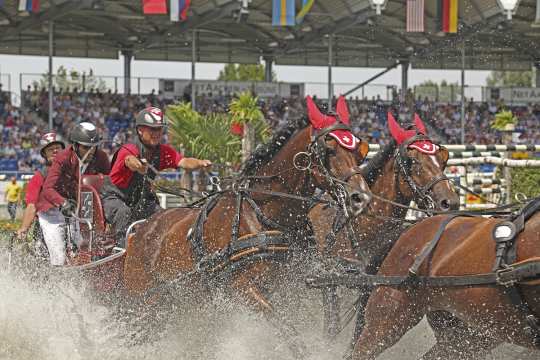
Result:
[[13, 197]]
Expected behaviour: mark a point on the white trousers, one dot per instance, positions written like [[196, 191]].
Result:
[[53, 225]]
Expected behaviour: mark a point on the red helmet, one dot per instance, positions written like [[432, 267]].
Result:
[[151, 116], [49, 139]]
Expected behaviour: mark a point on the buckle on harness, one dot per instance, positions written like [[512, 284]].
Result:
[[503, 278]]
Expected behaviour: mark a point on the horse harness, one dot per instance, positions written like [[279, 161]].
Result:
[[403, 161], [275, 243], [506, 271]]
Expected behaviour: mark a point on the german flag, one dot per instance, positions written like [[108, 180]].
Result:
[[448, 15]]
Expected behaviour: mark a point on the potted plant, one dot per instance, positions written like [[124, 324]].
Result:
[[248, 120], [504, 121]]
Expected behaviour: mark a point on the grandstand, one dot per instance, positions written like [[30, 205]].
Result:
[[334, 33]]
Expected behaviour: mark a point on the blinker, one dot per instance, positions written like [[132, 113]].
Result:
[[504, 231]]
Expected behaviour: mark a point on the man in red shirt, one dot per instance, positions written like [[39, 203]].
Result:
[[51, 144], [127, 195], [59, 196]]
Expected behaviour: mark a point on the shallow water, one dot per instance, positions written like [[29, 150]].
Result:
[[50, 316]]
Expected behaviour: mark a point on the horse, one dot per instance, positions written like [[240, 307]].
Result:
[[410, 167], [264, 210], [500, 310]]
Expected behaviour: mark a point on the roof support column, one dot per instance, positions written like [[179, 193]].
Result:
[[463, 93], [330, 63], [537, 72], [193, 61], [128, 55], [404, 79], [50, 75], [268, 62]]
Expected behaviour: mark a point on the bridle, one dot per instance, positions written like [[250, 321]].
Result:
[[318, 157], [421, 192]]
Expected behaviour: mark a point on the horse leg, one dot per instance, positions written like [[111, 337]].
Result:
[[254, 297], [331, 311], [456, 340], [389, 314], [360, 314]]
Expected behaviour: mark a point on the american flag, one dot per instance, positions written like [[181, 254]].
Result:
[[415, 15]]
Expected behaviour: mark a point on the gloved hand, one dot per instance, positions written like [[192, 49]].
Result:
[[68, 207]]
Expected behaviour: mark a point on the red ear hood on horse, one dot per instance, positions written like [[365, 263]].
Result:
[[419, 124], [400, 135], [321, 121], [397, 132]]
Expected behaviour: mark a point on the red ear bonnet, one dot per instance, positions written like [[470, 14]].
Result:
[[343, 110], [320, 121], [397, 131], [425, 146], [419, 124]]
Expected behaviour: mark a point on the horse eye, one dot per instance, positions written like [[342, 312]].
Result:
[[331, 151]]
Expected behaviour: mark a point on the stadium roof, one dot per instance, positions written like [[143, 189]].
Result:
[[102, 28]]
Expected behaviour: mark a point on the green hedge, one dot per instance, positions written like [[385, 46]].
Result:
[[526, 181]]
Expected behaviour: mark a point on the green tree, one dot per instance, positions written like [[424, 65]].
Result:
[[71, 79], [244, 72], [208, 136], [510, 78]]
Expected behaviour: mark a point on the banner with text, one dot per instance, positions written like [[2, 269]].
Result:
[[172, 88]]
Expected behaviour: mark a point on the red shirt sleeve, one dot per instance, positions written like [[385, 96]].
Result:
[[120, 175], [34, 188], [169, 157]]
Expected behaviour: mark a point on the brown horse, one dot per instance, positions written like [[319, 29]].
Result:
[[272, 198], [466, 247], [410, 167]]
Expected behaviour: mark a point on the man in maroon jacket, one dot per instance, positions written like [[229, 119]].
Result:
[[59, 196]]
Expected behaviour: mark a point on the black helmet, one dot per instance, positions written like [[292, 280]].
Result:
[[151, 116], [49, 139], [85, 134]]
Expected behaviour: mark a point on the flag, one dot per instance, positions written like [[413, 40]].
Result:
[[415, 15], [152, 7], [29, 5], [306, 6], [448, 12], [184, 7], [174, 7], [283, 13]]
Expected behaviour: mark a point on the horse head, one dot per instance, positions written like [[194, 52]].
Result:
[[338, 153], [420, 165]]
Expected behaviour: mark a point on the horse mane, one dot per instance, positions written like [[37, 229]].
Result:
[[265, 152], [374, 167]]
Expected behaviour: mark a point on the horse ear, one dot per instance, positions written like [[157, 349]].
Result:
[[314, 114], [363, 149], [396, 130], [343, 110], [419, 124]]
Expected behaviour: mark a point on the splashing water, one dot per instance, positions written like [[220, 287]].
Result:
[[47, 315]]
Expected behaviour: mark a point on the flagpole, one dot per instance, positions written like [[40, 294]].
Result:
[[330, 62], [193, 60], [463, 93], [51, 28]]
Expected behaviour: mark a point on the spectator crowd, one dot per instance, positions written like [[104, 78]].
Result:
[[113, 114]]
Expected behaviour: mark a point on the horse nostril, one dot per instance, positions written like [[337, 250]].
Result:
[[444, 204]]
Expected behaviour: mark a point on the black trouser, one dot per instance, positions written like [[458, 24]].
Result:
[[120, 215], [12, 210]]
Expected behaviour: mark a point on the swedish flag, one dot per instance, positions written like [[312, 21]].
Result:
[[283, 13]]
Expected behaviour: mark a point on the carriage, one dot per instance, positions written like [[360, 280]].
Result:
[[96, 256]]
